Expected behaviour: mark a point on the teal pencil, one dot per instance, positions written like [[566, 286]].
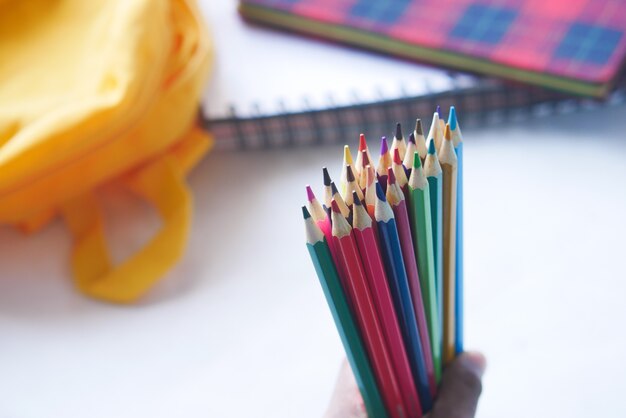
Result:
[[457, 140], [357, 357], [432, 171]]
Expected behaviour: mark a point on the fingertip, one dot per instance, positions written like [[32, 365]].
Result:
[[475, 361]]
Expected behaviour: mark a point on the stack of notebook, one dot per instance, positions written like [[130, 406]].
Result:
[[539, 52]]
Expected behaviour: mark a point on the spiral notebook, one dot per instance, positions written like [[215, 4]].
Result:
[[272, 89]]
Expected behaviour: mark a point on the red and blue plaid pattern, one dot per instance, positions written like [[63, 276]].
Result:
[[577, 39]]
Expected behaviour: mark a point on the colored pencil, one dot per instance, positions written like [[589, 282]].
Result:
[[407, 162], [442, 123], [345, 210], [399, 171], [435, 132], [398, 141], [318, 213], [365, 160], [448, 161], [421, 221], [375, 272], [352, 186], [343, 179], [396, 200], [384, 162], [360, 163], [328, 190], [457, 140], [365, 313], [432, 171], [400, 290], [420, 141], [370, 191], [344, 321]]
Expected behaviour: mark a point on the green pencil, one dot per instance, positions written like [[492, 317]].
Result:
[[327, 274], [419, 212], [432, 171]]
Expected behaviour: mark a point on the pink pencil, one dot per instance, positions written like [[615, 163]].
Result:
[[395, 197], [383, 302]]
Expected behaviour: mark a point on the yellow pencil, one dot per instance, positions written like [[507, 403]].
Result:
[[449, 165]]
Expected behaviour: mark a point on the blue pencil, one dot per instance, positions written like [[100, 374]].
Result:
[[457, 138], [399, 285]]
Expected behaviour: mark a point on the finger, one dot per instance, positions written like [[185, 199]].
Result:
[[460, 387], [346, 401]]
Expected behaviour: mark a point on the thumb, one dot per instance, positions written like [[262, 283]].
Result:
[[460, 387]]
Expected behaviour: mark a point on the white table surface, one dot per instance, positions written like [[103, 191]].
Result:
[[240, 327]]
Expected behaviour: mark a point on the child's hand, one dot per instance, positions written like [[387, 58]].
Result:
[[457, 398]]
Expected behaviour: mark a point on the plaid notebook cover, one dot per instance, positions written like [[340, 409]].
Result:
[[574, 45]]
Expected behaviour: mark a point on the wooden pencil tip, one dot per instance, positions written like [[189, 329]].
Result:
[[439, 112], [412, 137], [396, 156], [327, 179], [335, 206], [347, 157], [384, 149], [417, 161], [362, 143], [398, 131], [418, 127], [305, 213], [391, 176], [349, 173], [379, 192], [431, 147], [309, 193], [333, 188], [452, 118], [365, 158], [446, 133], [355, 198]]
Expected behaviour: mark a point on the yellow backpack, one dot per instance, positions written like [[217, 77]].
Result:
[[98, 92]]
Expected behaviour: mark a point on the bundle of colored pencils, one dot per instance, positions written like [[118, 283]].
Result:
[[387, 248]]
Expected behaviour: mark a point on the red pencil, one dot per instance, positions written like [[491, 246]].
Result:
[[377, 279], [365, 313], [395, 197]]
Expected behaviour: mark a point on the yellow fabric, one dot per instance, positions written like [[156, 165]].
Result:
[[93, 92]]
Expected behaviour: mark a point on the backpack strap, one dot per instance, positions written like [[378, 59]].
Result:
[[161, 183]]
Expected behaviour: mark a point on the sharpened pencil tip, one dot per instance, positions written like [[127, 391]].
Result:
[[362, 143], [396, 156], [431, 148], [452, 118], [347, 156], [398, 131], [391, 176], [333, 188], [365, 158], [305, 213], [349, 173], [309, 193], [327, 179], [418, 127], [439, 112], [384, 149], [412, 138], [417, 161], [446, 133], [355, 198], [379, 192], [335, 206]]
